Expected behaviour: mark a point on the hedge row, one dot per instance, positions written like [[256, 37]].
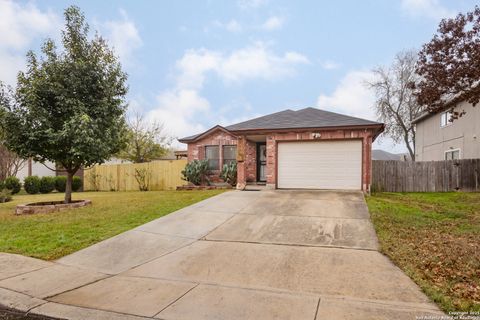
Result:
[[34, 184]]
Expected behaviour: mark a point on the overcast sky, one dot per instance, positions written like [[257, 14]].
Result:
[[194, 64]]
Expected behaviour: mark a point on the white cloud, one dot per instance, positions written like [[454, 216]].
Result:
[[351, 96], [251, 4], [256, 61], [273, 23], [177, 109], [194, 65], [329, 65], [181, 107], [427, 8], [123, 35], [20, 25]]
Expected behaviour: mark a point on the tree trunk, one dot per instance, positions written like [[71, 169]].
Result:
[[68, 188], [409, 147]]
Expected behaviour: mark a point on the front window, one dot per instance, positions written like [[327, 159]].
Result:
[[445, 118], [212, 155], [452, 154], [229, 154]]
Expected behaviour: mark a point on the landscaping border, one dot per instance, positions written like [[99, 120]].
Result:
[[48, 207]]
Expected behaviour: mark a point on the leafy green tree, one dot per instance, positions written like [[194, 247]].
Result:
[[145, 140], [70, 103]]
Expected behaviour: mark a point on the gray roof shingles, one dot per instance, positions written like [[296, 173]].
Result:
[[304, 118]]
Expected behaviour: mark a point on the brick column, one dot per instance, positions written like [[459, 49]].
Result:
[[367, 163], [241, 163], [271, 162]]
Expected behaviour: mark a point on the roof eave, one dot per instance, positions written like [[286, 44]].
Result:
[[380, 126], [203, 134]]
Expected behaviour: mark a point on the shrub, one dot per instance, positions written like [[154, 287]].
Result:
[[2, 185], [31, 184], [229, 173], [143, 176], [196, 172], [5, 195], [60, 183], [13, 184], [76, 183], [94, 179], [47, 184]]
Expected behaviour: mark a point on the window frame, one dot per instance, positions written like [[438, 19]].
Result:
[[445, 116], [452, 151], [217, 159], [234, 159]]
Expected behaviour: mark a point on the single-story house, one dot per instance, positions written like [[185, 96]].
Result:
[[438, 138], [303, 149]]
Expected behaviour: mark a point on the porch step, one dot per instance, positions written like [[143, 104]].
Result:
[[255, 186]]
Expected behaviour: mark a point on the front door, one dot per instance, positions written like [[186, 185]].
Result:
[[261, 162]]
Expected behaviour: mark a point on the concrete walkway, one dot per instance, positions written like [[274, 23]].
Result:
[[240, 255]]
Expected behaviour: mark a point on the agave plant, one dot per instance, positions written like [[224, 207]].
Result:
[[196, 172], [229, 173]]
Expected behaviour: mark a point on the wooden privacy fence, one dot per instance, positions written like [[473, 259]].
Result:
[[159, 175], [427, 176]]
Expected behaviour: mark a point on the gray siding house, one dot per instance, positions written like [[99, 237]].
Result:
[[439, 139]]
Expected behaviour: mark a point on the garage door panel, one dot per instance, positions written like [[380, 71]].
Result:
[[320, 165]]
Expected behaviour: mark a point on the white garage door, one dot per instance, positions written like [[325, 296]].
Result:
[[320, 165]]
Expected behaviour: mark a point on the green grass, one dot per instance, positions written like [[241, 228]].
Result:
[[435, 239], [51, 236]]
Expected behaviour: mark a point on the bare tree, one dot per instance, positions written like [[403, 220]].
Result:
[[10, 163], [145, 140], [396, 104]]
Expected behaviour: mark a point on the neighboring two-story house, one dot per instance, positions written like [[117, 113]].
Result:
[[439, 138]]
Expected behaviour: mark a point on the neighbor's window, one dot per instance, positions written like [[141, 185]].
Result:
[[452, 154], [229, 154], [212, 155], [445, 119]]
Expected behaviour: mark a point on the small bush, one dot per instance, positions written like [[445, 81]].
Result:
[[76, 183], [60, 183], [196, 172], [47, 184], [94, 179], [2, 185], [143, 176], [5, 195], [229, 173], [13, 184], [31, 184]]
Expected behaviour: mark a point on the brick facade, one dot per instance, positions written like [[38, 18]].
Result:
[[247, 162], [196, 150]]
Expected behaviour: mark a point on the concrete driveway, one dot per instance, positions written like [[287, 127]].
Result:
[[239, 255]]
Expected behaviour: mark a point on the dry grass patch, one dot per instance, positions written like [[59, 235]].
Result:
[[435, 239]]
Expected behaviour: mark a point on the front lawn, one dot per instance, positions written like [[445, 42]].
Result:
[[51, 236], [435, 239]]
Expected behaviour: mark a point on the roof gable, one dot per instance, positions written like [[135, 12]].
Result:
[[205, 133]]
